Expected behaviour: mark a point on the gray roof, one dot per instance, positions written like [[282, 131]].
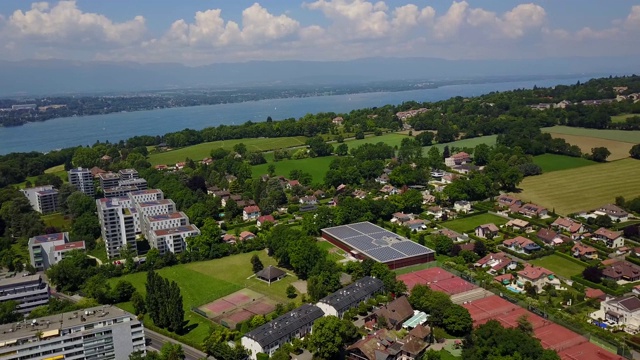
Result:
[[270, 273], [16, 280], [353, 294], [285, 325]]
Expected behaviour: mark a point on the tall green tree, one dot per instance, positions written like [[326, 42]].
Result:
[[330, 335]]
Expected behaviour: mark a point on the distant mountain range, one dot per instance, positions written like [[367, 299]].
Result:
[[57, 77]]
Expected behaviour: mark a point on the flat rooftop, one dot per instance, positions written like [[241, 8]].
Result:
[[375, 242], [50, 326], [155, 203], [41, 239], [18, 279], [70, 246], [161, 217], [176, 230], [147, 191]]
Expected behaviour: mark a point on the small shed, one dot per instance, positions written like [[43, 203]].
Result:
[[271, 274]]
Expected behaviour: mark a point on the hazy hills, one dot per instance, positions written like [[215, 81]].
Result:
[[42, 77]]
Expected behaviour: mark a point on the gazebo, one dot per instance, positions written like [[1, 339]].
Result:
[[270, 274]]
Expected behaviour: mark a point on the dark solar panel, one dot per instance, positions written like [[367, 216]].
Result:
[[341, 232], [385, 254], [383, 234], [366, 228], [361, 242], [410, 248]]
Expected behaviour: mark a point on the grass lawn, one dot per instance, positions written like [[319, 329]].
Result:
[[583, 188], [619, 149], [392, 139], [468, 224], [58, 221], [553, 162], [622, 118], [559, 265], [201, 151], [616, 135], [335, 253], [317, 167], [56, 170], [205, 281], [470, 143]]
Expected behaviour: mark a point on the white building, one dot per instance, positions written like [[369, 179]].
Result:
[[350, 296], [103, 332], [269, 337], [462, 206], [119, 191], [614, 212], [109, 180], [82, 180], [250, 213], [43, 199], [172, 240], [157, 207], [164, 221], [146, 195], [48, 250], [28, 291], [622, 311], [140, 184], [128, 174], [118, 224]]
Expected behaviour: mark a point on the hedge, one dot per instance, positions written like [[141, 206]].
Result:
[[598, 246], [632, 259], [617, 292], [533, 221], [537, 255]]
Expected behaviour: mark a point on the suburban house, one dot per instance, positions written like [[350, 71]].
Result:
[[230, 178], [250, 213], [269, 337], [401, 218], [382, 345], [415, 224], [390, 190], [521, 244], [591, 293], [229, 238], [466, 168], [487, 231], [457, 159], [622, 270], [538, 276], [612, 239], [549, 237], [265, 218], [581, 250], [338, 120], [518, 224], [568, 225], [350, 296], [247, 235], [395, 313], [456, 237], [436, 211], [308, 200], [623, 311], [496, 263], [462, 206], [531, 210], [383, 179], [614, 212], [508, 201], [319, 194], [359, 194]]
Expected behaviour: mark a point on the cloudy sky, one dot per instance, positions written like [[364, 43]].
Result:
[[197, 32]]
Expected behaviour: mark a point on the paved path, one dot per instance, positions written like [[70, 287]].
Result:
[[97, 260]]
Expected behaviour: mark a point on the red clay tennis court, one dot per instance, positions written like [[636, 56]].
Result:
[[219, 306], [588, 351], [235, 317], [558, 338], [438, 280], [491, 307]]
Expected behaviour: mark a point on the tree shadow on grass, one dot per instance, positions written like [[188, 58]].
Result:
[[187, 328]]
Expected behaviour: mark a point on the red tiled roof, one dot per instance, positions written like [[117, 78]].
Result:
[[69, 246], [264, 218], [593, 293], [609, 234], [531, 272], [251, 209]]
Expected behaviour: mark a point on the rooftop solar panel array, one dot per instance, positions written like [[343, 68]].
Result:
[[375, 242]]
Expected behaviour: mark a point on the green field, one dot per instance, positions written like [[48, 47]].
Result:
[[204, 281], [392, 139], [470, 143], [58, 221], [201, 151], [468, 224], [336, 254], [622, 118], [317, 167], [583, 188], [559, 265], [616, 135], [56, 170], [553, 162]]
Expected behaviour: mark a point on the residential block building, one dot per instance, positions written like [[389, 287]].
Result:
[[269, 337], [118, 224], [140, 184], [82, 179], [350, 296], [105, 333], [28, 291], [164, 221], [43, 199], [108, 180], [172, 239], [128, 174], [48, 250]]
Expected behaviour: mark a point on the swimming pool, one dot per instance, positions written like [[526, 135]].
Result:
[[514, 289]]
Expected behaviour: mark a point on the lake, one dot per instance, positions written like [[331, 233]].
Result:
[[73, 131]]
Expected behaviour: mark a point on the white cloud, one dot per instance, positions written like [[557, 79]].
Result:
[[355, 19], [448, 24], [65, 23], [258, 25], [632, 22], [409, 16], [513, 24]]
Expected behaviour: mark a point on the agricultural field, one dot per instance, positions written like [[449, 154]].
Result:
[[622, 118], [554, 162], [619, 149], [559, 265], [582, 188], [204, 281], [317, 167], [615, 135], [391, 139], [201, 151], [470, 143], [468, 224]]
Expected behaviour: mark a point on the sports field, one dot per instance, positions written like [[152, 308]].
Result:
[[201, 151], [470, 143], [468, 224], [317, 167], [619, 149], [554, 162], [559, 265], [616, 135], [583, 188], [205, 281]]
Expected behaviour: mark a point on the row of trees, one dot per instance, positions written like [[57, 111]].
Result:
[[163, 302]]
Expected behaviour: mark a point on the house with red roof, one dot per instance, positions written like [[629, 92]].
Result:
[[250, 213], [580, 250], [263, 219], [538, 276], [293, 183], [521, 244], [496, 263], [487, 231], [247, 235], [611, 239], [568, 225]]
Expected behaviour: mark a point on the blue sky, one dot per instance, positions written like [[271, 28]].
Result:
[[236, 30]]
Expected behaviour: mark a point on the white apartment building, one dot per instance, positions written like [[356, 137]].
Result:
[[157, 207], [109, 180], [164, 221], [140, 184], [146, 195], [118, 224], [48, 250], [82, 180], [43, 199], [128, 174], [105, 333], [28, 291], [172, 240], [119, 191]]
